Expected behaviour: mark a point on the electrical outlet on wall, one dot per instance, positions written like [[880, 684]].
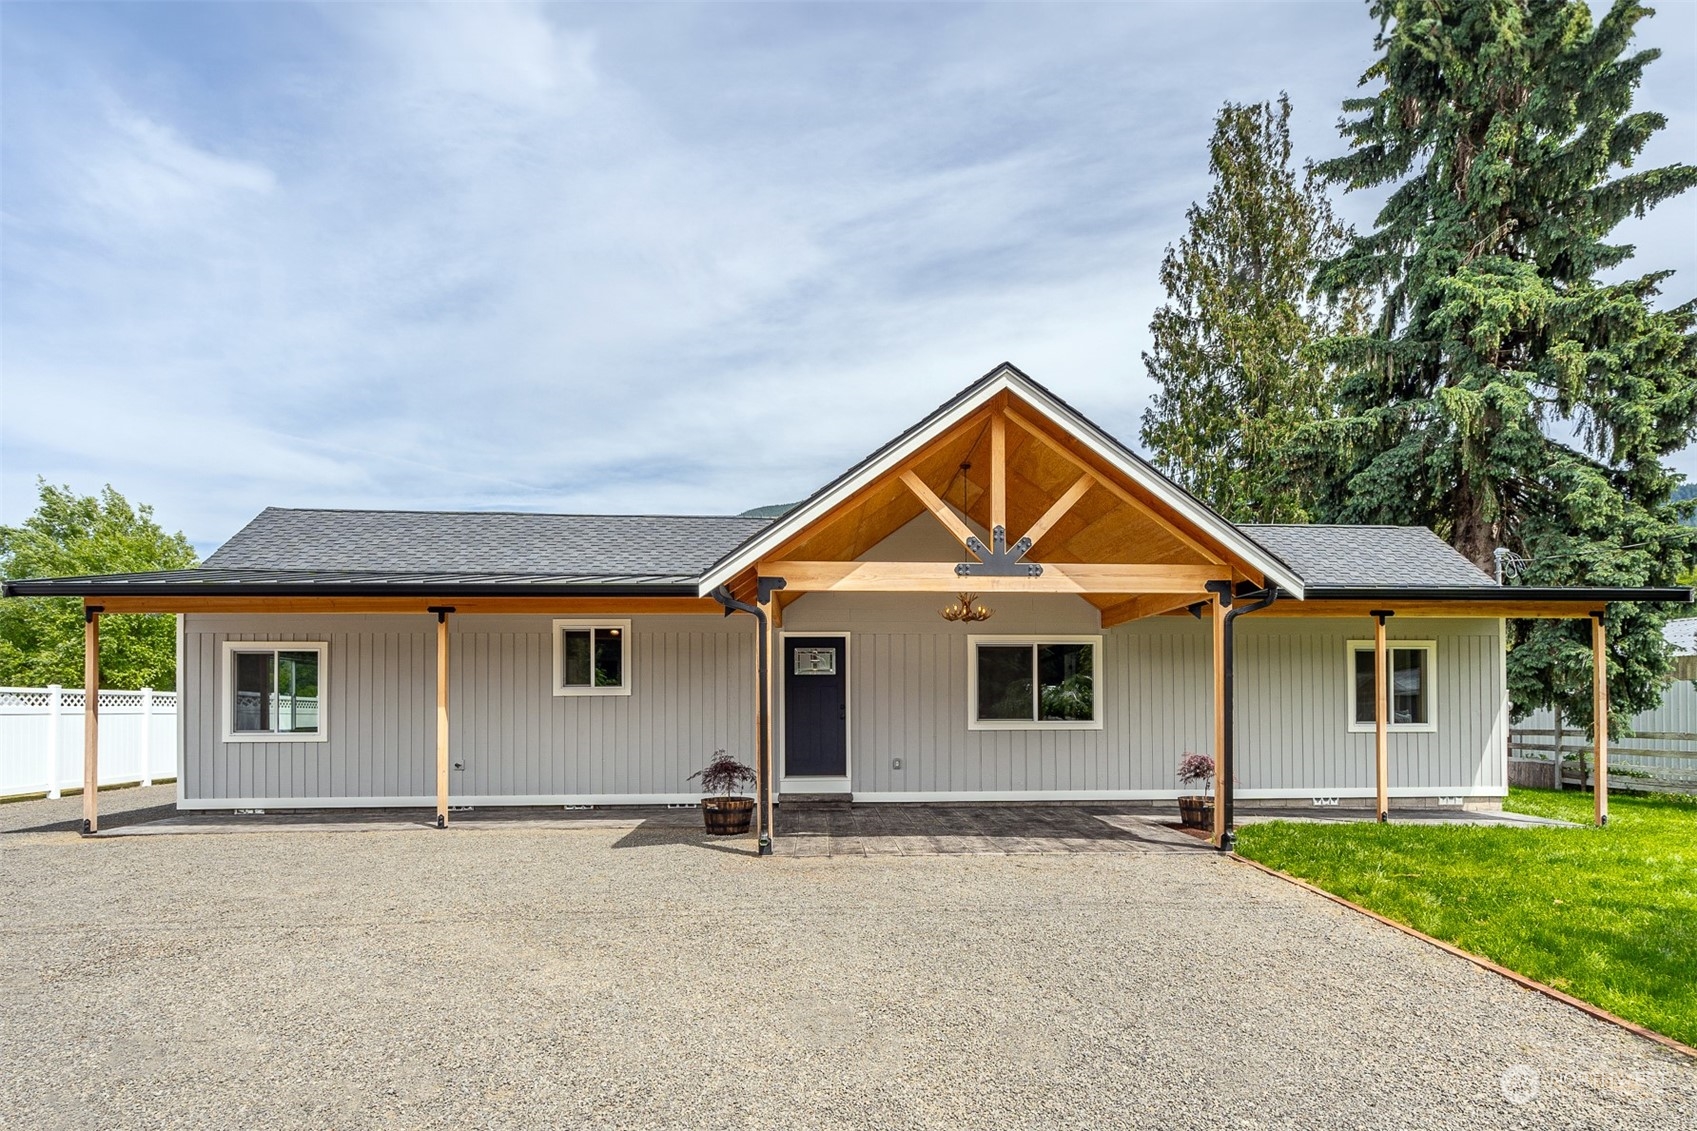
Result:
[[895, 763]]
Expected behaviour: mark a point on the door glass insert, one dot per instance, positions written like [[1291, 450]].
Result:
[[815, 661]]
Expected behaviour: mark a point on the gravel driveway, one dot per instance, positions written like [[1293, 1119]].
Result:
[[602, 976]]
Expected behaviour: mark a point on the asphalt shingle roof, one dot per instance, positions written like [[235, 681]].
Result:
[[1370, 557], [477, 542]]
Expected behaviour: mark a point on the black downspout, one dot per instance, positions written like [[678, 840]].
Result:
[[763, 709], [1228, 752]]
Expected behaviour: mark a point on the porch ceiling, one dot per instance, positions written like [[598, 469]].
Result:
[[1111, 522]]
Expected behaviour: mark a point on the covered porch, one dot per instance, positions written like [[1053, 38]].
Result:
[[1013, 497], [1003, 503]]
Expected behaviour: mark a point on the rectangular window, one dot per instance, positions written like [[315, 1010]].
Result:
[[272, 691], [1408, 693], [591, 657], [1029, 682]]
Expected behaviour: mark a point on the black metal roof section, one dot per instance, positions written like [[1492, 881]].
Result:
[[1370, 557], [210, 581], [479, 542]]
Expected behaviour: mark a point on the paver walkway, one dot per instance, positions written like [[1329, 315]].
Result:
[[931, 830]]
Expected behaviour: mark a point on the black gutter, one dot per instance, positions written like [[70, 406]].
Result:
[[1226, 790], [54, 587], [762, 708], [1465, 593]]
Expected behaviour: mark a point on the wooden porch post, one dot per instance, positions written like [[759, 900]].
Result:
[[441, 612], [91, 720], [1381, 720], [1219, 716], [1600, 714]]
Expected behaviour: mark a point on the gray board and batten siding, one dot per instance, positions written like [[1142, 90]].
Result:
[[908, 700], [692, 693]]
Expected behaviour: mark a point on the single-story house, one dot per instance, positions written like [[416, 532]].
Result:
[[1002, 603]]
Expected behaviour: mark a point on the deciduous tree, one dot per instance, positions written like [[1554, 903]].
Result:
[[41, 638]]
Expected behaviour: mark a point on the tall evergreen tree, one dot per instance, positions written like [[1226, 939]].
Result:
[[1509, 396], [1232, 363]]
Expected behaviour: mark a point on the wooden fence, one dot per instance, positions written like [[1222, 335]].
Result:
[[41, 732], [1655, 760]]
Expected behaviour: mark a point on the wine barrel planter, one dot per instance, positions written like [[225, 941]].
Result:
[[1196, 812], [727, 816]]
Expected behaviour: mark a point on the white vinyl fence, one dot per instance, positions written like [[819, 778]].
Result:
[[41, 733]]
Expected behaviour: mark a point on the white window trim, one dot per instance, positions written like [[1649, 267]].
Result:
[[973, 722], [227, 689], [624, 657], [1351, 647]]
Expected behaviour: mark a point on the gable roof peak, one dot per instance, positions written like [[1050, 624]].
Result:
[[1007, 377]]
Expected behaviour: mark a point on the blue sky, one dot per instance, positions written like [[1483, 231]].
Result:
[[628, 258]]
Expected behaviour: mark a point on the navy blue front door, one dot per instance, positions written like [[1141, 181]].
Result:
[[815, 706]]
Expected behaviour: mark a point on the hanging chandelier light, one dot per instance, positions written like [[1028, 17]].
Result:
[[966, 609]]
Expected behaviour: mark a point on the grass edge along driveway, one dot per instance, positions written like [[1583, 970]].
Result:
[[1608, 915]]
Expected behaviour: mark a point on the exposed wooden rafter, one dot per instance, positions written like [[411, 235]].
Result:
[[1060, 508], [939, 509], [1119, 492], [1149, 605], [940, 577]]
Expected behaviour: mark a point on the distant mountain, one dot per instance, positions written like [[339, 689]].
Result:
[[1689, 491], [776, 510]]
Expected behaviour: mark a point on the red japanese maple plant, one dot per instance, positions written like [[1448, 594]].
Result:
[[722, 812], [1197, 810]]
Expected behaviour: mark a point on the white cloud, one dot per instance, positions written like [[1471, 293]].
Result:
[[506, 55], [629, 258], [146, 174]]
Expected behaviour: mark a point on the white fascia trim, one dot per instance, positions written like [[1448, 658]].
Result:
[[1005, 381], [1171, 794], [1393, 791], [800, 518], [428, 801]]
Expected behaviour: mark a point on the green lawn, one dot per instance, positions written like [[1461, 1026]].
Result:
[[1608, 915]]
